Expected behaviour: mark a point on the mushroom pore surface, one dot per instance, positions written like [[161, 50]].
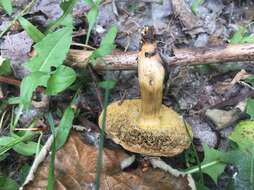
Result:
[[169, 137]]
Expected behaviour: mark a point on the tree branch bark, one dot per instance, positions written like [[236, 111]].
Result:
[[128, 60]]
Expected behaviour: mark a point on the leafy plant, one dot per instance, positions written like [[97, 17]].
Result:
[[91, 16], [195, 5], [35, 34], [106, 45], [241, 36], [7, 183], [250, 80], [7, 6], [5, 67], [242, 157], [67, 7], [250, 108], [50, 53]]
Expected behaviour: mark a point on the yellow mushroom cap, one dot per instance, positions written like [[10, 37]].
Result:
[[168, 137]]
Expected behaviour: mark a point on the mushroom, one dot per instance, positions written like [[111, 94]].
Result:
[[144, 125]]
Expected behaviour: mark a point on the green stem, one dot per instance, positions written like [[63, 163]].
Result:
[[196, 155], [201, 166], [251, 174], [23, 12], [101, 141], [14, 124]]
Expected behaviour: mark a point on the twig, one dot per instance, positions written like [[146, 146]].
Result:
[[83, 45], [23, 12], [186, 56], [9, 80]]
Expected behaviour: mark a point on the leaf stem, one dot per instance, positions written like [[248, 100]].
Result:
[[200, 166], [101, 141], [196, 155]]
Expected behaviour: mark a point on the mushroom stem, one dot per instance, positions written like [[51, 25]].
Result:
[[151, 76]]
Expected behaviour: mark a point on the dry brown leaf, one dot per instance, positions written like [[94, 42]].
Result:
[[226, 85], [78, 58], [75, 169]]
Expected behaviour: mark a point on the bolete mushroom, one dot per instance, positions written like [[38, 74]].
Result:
[[144, 125]]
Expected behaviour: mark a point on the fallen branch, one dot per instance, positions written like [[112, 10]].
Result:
[[128, 60], [9, 80]]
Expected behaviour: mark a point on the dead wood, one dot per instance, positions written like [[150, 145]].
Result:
[[128, 60]]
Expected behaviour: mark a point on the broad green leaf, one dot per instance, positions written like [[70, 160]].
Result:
[[250, 108], [248, 39], [51, 51], [5, 140], [213, 163], [67, 7], [108, 84], [31, 30], [5, 67], [62, 78], [250, 80], [213, 156], [243, 160], [7, 6], [89, 2], [7, 183], [243, 134], [64, 127], [107, 44], [30, 83], [26, 149], [238, 36], [195, 5], [91, 18]]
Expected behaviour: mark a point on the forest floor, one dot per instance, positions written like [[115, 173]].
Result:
[[213, 98]]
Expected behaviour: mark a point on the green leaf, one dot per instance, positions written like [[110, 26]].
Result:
[[64, 127], [238, 36], [108, 84], [250, 108], [91, 18], [5, 67], [213, 156], [60, 80], [67, 7], [243, 134], [89, 2], [7, 183], [31, 30], [195, 5], [7, 6], [26, 149], [51, 51], [248, 39], [29, 84], [24, 172], [107, 44], [250, 80], [243, 160], [5, 140]]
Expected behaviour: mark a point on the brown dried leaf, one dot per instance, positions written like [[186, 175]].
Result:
[[226, 85], [75, 169]]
